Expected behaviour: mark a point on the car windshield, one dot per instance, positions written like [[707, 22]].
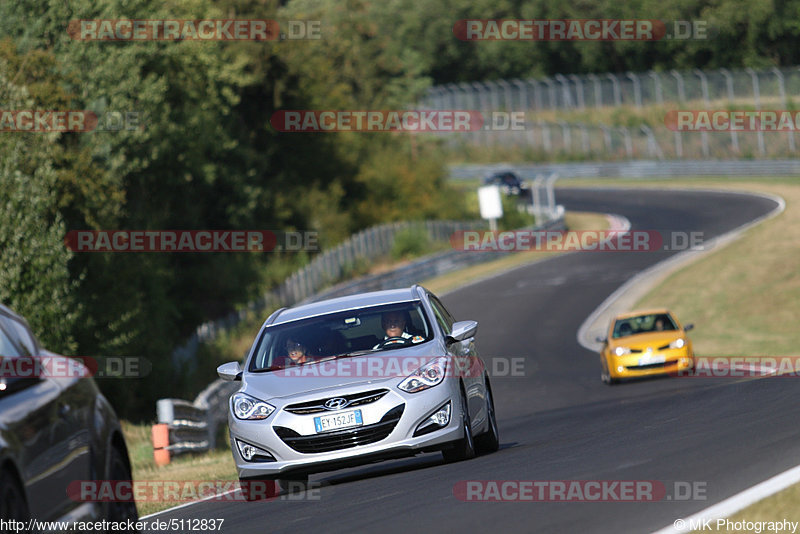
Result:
[[641, 324], [342, 333]]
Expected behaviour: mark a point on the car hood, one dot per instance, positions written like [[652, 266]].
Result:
[[385, 368]]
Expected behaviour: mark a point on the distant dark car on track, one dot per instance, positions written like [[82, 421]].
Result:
[[508, 182], [56, 429]]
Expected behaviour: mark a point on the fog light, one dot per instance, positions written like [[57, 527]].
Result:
[[620, 369], [438, 419], [442, 416], [252, 453]]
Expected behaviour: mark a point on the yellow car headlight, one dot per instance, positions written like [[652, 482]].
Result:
[[678, 343], [622, 351]]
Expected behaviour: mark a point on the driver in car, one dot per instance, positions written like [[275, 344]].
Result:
[[296, 352], [394, 324]]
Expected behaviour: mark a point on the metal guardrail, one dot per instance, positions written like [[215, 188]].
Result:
[[638, 169], [185, 426], [429, 267]]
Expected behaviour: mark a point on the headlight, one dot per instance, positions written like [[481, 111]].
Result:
[[246, 407], [429, 375], [677, 344], [621, 351]]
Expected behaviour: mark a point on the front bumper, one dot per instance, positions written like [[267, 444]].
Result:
[[291, 439], [637, 365]]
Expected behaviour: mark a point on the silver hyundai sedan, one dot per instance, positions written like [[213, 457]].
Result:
[[355, 380]]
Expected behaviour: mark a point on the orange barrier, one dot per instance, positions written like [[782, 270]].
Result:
[[160, 437]]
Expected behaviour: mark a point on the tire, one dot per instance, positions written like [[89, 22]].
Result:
[[489, 441], [12, 498], [605, 376], [118, 470], [464, 448]]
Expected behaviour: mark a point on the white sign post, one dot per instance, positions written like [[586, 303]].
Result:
[[491, 204]]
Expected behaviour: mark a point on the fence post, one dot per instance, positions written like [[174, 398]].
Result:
[[579, 90], [704, 87], [657, 87], [615, 85], [679, 81], [637, 89], [652, 145], [537, 94], [565, 94], [757, 97], [782, 91], [546, 141], [731, 97], [598, 90], [523, 94], [584, 139], [626, 136], [551, 87], [508, 104], [607, 138], [566, 136]]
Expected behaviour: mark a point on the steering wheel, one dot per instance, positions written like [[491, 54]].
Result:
[[395, 340]]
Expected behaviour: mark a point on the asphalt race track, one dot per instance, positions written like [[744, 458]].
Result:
[[558, 421]]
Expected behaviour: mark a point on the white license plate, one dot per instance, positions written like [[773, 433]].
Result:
[[326, 423], [650, 360]]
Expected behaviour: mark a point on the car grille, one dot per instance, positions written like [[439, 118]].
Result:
[[652, 365], [354, 399], [342, 439]]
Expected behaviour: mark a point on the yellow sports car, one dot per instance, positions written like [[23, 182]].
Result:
[[645, 343]]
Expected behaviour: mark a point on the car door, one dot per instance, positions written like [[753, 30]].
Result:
[[28, 414], [69, 404], [470, 365]]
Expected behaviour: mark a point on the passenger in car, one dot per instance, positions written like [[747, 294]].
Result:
[[296, 351]]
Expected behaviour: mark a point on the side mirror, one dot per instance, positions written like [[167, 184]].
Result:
[[688, 327], [230, 371], [601, 339], [462, 330]]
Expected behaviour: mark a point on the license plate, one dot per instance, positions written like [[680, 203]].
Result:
[[326, 423], [649, 360]]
